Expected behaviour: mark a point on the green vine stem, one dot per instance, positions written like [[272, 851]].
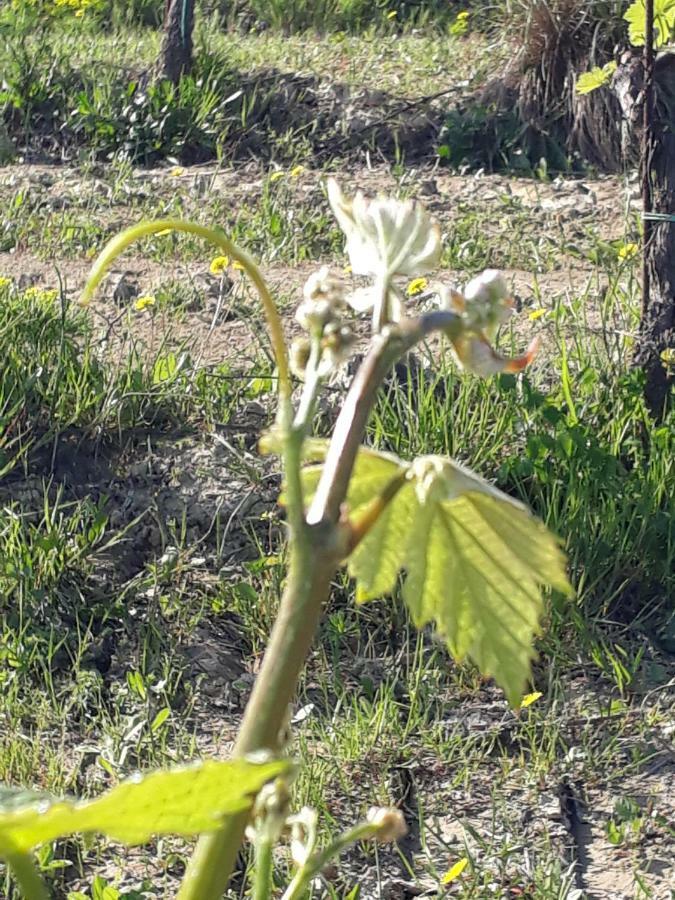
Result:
[[262, 878], [27, 876], [120, 242], [318, 544], [298, 887], [311, 569]]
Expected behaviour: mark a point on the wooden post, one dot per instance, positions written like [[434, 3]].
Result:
[[176, 56]]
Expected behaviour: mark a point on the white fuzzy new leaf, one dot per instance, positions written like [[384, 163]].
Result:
[[386, 237], [474, 559]]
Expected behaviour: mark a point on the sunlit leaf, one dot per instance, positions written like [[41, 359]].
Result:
[[596, 78], [186, 801], [160, 719], [664, 22], [474, 558]]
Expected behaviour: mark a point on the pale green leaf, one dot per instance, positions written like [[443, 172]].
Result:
[[379, 563], [186, 801], [664, 22], [596, 78], [160, 719], [475, 560]]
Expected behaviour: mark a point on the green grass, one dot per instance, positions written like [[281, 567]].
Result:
[[100, 649], [63, 93], [281, 221], [57, 380], [141, 553], [572, 438]]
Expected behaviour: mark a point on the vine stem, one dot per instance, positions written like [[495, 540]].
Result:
[[318, 861], [262, 882], [387, 347], [120, 242], [319, 541], [311, 569], [27, 876]]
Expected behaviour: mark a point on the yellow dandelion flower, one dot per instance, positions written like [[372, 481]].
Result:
[[529, 699], [147, 300], [416, 286], [537, 314], [455, 871], [5, 281], [296, 171], [219, 264], [275, 176], [177, 171], [347, 269], [627, 251], [461, 24], [42, 295]]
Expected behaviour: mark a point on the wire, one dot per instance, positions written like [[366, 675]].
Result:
[[184, 18], [658, 217]]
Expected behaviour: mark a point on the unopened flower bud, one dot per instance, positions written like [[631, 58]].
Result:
[[325, 285], [303, 835], [336, 344], [273, 799], [299, 356], [324, 298], [389, 822], [270, 810]]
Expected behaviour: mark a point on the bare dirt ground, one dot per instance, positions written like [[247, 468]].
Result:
[[567, 210]]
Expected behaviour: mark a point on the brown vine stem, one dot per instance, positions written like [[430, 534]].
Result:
[[389, 346]]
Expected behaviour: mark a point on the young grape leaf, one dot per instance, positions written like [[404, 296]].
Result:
[[186, 800], [474, 558], [596, 78], [664, 22]]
